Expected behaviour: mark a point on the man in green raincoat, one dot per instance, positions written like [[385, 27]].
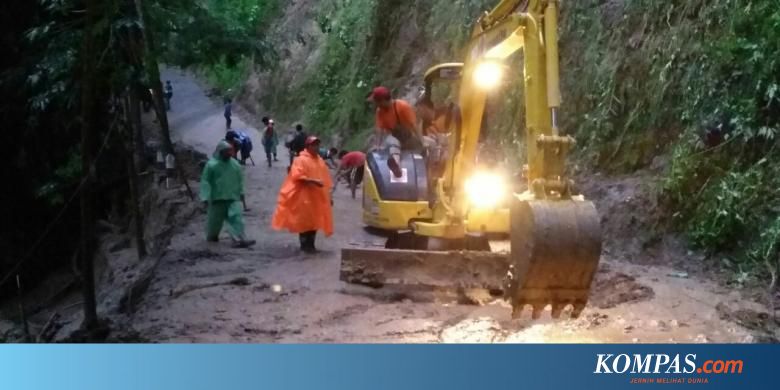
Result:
[[222, 189]]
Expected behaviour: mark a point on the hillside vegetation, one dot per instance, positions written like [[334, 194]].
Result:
[[694, 83]]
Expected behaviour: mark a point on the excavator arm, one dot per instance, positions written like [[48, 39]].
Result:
[[511, 26], [503, 9]]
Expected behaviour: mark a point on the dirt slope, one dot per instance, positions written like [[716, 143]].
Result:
[[211, 293]]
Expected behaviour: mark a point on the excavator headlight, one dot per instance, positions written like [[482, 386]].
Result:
[[486, 189], [488, 74]]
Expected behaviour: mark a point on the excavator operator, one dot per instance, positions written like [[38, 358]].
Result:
[[437, 125], [395, 127]]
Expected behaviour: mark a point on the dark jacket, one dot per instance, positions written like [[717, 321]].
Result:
[[298, 143]]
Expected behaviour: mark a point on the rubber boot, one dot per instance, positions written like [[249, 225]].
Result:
[[304, 241], [242, 242], [307, 242], [312, 237]]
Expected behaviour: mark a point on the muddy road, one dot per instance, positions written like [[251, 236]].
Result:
[[272, 293]]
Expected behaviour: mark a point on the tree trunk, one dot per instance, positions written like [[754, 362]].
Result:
[[132, 176], [89, 119], [137, 131], [153, 71], [138, 215]]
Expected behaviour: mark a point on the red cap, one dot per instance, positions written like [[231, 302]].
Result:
[[311, 139], [379, 93]]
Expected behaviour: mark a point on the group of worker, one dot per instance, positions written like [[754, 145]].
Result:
[[305, 198], [146, 95], [396, 129]]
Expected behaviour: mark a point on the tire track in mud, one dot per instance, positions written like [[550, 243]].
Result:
[[615, 288]]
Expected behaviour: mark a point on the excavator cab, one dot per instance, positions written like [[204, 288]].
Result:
[[440, 119], [439, 93], [392, 204]]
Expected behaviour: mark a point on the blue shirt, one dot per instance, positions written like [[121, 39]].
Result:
[[324, 153]]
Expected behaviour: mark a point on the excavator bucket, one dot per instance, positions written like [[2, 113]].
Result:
[[556, 246]]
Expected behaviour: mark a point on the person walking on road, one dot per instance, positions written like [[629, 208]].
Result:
[[288, 139], [168, 94], [270, 140], [228, 112], [222, 190], [351, 166], [297, 144], [304, 204]]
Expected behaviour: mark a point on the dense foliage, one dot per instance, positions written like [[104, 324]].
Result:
[[41, 85], [221, 38], [697, 80], [38, 102]]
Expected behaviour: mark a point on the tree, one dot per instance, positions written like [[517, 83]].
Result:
[[90, 117]]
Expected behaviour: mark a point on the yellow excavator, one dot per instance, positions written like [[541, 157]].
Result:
[[447, 226]]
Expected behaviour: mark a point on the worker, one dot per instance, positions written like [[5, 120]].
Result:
[[228, 112], [304, 204], [146, 95], [437, 124], [222, 190], [288, 139], [396, 127], [168, 94], [329, 156], [241, 142], [351, 166], [297, 144], [435, 120], [270, 140]]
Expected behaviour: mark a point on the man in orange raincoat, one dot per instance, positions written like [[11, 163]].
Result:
[[304, 204]]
